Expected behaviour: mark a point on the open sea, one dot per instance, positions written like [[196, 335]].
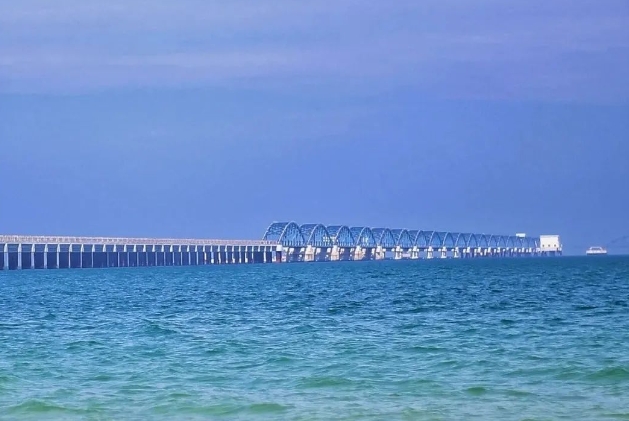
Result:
[[473, 339]]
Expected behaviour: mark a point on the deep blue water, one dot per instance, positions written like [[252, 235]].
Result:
[[513, 339]]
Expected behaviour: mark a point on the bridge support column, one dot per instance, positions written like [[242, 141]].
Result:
[[397, 253], [429, 253], [456, 253], [5, 258], [335, 254], [444, 253], [414, 253], [309, 254], [358, 253]]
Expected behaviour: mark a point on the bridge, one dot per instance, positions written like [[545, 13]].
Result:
[[52, 252], [282, 242], [318, 242]]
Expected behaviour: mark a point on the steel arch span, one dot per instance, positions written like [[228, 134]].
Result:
[[316, 235], [423, 238], [363, 237], [449, 239], [462, 240], [290, 234], [402, 238], [494, 241], [436, 239], [412, 235], [287, 234], [472, 241], [341, 236], [384, 237]]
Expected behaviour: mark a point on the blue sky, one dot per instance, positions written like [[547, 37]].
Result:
[[212, 119]]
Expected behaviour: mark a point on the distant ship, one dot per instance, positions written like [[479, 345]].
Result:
[[596, 251]]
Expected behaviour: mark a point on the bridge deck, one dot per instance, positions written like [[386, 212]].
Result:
[[37, 239]]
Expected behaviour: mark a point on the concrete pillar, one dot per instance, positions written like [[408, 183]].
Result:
[[414, 253], [46, 256], [457, 253], [19, 256], [430, 253], [5, 253]]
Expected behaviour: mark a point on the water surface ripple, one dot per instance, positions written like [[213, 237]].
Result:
[[513, 339]]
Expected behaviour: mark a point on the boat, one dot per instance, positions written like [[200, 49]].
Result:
[[596, 251]]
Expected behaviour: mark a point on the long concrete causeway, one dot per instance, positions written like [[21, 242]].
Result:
[[282, 242]]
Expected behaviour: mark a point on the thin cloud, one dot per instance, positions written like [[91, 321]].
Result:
[[522, 49]]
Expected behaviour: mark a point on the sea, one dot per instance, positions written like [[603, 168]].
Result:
[[457, 339]]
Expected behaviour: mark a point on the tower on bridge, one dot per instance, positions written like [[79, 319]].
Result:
[[550, 245]]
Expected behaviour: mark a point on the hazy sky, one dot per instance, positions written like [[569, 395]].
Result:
[[204, 118]]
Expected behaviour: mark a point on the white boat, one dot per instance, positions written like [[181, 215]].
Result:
[[596, 250]]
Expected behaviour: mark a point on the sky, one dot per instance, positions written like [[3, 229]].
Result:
[[212, 119]]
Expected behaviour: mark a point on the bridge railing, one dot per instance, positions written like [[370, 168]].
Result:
[[37, 239]]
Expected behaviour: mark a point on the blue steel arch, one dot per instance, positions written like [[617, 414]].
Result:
[[316, 235], [494, 240], [412, 235], [436, 239], [402, 238], [483, 240], [288, 234], [363, 237], [449, 239], [462, 240], [535, 242], [384, 237], [423, 238], [472, 241], [341, 236]]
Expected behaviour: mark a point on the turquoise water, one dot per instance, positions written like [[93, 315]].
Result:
[[537, 339]]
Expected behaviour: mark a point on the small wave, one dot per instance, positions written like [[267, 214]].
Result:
[[614, 374], [476, 390], [11, 326], [81, 344], [584, 307], [326, 381], [425, 349], [280, 360], [215, 351], [35, 406], [266, 407], [102, 378], [518, 393], [623, 416], [155, 328]]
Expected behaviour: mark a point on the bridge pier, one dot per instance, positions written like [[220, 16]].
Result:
[[430, 253], [414, 253]]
